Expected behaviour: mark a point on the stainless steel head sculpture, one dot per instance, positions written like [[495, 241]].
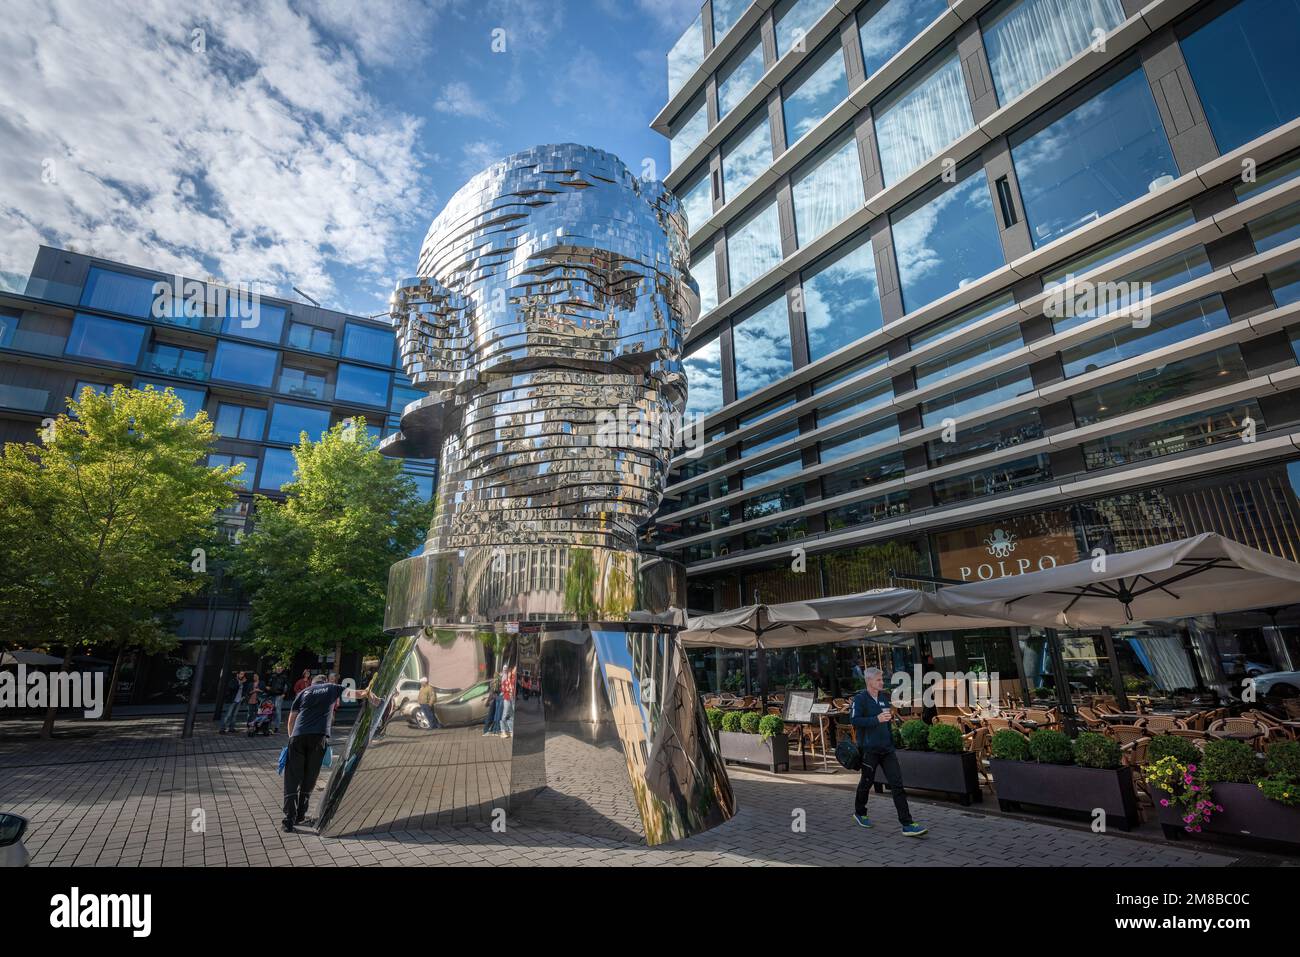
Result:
[[546, 325]]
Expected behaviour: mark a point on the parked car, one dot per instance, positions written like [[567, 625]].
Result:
[[1278, 684], [467, 708], [12, 851]]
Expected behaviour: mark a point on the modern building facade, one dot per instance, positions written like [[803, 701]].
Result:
[[84, 322], [986, 287]]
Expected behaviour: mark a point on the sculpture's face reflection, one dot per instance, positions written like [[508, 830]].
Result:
[[559, 253]]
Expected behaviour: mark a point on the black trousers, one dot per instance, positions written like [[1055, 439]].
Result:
[[301, 768], [888, 761]]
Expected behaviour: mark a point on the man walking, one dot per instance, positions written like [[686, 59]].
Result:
[[309, 722], [508, 703], [870, 715]]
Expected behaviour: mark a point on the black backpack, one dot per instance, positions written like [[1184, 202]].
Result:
[[848, 754]]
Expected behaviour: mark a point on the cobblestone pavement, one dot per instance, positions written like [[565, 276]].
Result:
[[126, 793]]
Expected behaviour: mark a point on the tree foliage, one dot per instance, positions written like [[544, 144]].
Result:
[[316, 565]]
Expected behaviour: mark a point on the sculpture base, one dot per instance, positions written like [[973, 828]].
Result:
[[607, 737]]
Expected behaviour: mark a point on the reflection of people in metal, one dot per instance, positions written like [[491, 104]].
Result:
[[508, 703]]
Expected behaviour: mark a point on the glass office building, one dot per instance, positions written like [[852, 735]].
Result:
[[264, 373], [989, 285]]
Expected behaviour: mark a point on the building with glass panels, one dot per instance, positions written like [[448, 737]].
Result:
[[985, 287], [262, 376]]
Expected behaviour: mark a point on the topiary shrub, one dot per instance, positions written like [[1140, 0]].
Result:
[[1008, 745], [914, 732], [749, 722], [731, 721], [1281, 788], [1093, 750], [1051, 747], [715, 716], [945, 738], [770, 725], [1283, 760], [1228, 762], [1171, 746]]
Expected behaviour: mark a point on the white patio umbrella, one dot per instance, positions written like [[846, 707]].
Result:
[[1201, 575], [882, 611], [28, 658], [753, 626]]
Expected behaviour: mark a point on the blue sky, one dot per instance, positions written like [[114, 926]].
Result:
[[301, 143]]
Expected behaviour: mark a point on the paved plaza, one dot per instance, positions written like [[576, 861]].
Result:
[[128, 793]]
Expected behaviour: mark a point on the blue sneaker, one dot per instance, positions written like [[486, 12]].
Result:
[[862, 820], [913, 830]]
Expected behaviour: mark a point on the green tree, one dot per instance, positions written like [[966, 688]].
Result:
[[99, 521], [316, 565]]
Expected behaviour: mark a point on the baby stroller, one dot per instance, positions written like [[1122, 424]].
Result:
[[260, 723]]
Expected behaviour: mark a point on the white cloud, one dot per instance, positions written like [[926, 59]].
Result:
[[260, 158], [477, 155], [459, 100]]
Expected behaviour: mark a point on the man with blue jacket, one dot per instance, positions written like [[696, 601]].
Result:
[[871, 715]]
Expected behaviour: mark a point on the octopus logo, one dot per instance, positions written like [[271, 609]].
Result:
[[1001, 543]]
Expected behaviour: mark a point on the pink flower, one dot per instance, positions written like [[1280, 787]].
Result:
[[1164, 802], [1196, 787], [1191, 767]]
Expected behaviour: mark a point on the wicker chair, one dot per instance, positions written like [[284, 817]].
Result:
[[1126, 733], [1278, 728], [1292, 708], [979, 741], [1159, 723], [951, 719], [1091, 720], [1238, 727]]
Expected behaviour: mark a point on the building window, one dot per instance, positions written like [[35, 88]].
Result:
[[725, 15], [739, 73], [827, 187], [863, 475], [288, 421], [109, 340], [311, 338], [1174, 380], [686, 56], [761, 342], [753, 245], [307, 383], [1274, 174], [1269, 232], [875, 360], [1245, 69], [166, 359], [1174, 325], [885, 28], [745, 154], [99, 388], [1076, 309], [841, 301], [793, 20], [926, 113], [968, 356], [860, 439], [768, 439], [404, 396], [118, 292], [1117, 153], [783, 467], [946, 238], [855, 402], [993, 481], [192, 399], [278, 466], [1126, 243], [687, 130], [1196, 431], [358, 384], [240, 421], [960, 320], [1028, 39], [704, 378], [976, 440], [867, 511], [697, 199], [259, 320], [250, 365], [368, 344], [1285, 285], [225, 460], [704, 270], [813, 90], [977, 397]]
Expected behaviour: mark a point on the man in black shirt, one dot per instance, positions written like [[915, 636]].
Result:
[[309, 722]]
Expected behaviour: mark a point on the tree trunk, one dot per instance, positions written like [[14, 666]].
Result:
[[47, 729], [338, 658], [112, 687]]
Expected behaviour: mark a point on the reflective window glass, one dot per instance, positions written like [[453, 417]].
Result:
[[118, 292], [277, 469], [841, 301], [240, 421], [192, 399], [226, 460], [946, 238], [1246, 71], [794, 18], [859, 439], [918, 119], [359, 384], [289, 420], [885, 28], [697, 199], [761, 342], [745, 154], [968, 356], [725, 15], [960, 320], [311, 338], [1271, 231], [739, 73], [704, 270], [1174, 380], [1174, 325], [827, 187], [687, 130], [1076, 167], [974, 398], [368, 344], [94, 337], [685, 56], [253, 319], [855, 402], [250, 365], [813, 90], [753, 245], [1028, 39], [1072, 306], [704, 378]]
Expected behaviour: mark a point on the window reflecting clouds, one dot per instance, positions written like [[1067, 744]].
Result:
[[739, 74], [813, 90], [745, 154], [794, 18], [885, 28], [1028, 39], [761, 342], [753, 245], [917, 121], [704, 379], [687, 54], [704, 271], [827, 188], [687, 130], [841, 300], [697, 200]]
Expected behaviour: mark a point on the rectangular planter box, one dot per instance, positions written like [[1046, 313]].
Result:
[[1067, 787], [745, 748], [955, 774], [1246, 813]]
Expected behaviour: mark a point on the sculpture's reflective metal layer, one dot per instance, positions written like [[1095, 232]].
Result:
[[546, 324]]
